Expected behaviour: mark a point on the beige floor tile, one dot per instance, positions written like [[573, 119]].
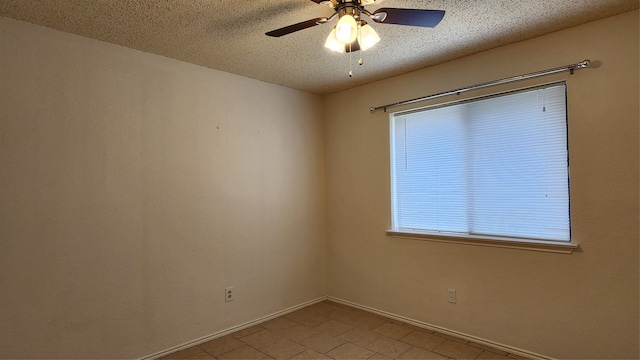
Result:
[[350, 351], [394, 331], [339, 304], [323, 307], [487, 355], [333, 327], [262, 339], [202, 355], [388, 347], [359, 336], [515, 356], [329, 330], [415, 327], [418, 353], [284, 350], [187, 353], [449, 337], [310, 355], [359, 312], [221, 345], [244, 353], [307, 317], [377, 356], [345, 315], [423, 340], [488, 348], [322, 343], [394, 321], [278, 323], [297, 333], [457, 350], [369, 321], [339, 311], [248, 331]]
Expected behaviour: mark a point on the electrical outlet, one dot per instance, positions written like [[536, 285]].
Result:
[[452, 296], [228, 294]]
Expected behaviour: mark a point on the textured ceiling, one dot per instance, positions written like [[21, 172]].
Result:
[[228, 35]]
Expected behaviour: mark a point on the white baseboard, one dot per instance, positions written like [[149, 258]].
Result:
[[420, 324], [232, 329]]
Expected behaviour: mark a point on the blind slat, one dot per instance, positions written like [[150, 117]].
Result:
[[496, 166]]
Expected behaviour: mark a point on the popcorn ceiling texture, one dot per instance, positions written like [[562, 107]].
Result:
[[228, 35]]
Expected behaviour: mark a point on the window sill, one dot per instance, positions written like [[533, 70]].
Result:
[[531, 245]]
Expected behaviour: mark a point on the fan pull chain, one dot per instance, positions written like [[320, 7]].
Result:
[[350, 61], [360, 62]]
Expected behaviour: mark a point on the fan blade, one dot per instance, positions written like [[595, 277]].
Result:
[[296, 27], [413, 17]]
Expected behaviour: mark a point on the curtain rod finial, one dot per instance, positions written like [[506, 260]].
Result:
[[584, 64]]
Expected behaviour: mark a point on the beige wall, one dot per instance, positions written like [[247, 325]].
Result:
[[583, 305], [134, 188]]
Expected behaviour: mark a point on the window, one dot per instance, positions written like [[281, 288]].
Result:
[[490, 167]]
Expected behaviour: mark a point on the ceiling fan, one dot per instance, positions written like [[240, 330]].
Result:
[[352, 33]]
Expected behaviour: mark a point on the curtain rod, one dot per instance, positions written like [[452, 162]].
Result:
[[570, 68]]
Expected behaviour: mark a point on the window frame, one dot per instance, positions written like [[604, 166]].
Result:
[[565, 247]]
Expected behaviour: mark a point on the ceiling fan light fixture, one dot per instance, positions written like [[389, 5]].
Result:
[[346, 29], [368, 37], [333, 43]]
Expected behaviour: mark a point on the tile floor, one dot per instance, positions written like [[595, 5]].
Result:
[[329, 330]]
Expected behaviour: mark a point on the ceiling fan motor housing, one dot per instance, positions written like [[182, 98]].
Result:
[[348, 9]]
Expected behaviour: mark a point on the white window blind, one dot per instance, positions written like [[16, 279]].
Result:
[[491, 167]]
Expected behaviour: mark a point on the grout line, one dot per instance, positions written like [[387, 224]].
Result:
[[445, 331], [232, 329], [390, 316]]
